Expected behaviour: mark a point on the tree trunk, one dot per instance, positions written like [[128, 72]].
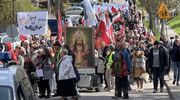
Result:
[[162, 28]]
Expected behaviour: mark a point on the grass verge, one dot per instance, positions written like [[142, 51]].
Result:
[[174, 23]]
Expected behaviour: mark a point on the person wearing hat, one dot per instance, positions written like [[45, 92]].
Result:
[[158, 62]]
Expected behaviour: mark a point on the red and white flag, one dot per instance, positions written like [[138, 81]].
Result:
[[102, 29], [111, 35], [59, 28]]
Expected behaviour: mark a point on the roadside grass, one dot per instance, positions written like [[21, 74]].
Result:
[[174, 23]]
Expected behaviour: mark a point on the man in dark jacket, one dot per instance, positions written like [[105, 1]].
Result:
[[175, 54], [158, 62]]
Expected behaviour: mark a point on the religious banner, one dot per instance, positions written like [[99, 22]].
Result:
[[32, 22], [81, 42]]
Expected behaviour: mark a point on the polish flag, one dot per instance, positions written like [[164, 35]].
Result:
[[104, 36], [151, 36], [59, 28], [117, 18], [114, 9], [111, 35]]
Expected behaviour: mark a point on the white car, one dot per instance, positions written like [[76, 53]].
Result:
[[75, 10], [74, 18], [14, 81]]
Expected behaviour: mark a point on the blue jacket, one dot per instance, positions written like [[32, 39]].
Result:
[[126, 56], [119, 61]]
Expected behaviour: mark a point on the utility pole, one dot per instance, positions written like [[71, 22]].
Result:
[[57, 6], [13, 21], [150, 14], [13, 11], [162, 28], [49, 6]]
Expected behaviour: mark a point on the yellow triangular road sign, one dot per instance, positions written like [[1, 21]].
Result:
[[163, 12]]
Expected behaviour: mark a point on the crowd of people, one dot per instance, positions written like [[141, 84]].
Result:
[[134, 52], [137, 55], [49, 66]]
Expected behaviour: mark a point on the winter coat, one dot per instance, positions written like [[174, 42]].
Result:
[[66, 70], [47, 70], [163, 58], [121, 64], [100, 65], [175, 53], [139, 65], [99, 62]]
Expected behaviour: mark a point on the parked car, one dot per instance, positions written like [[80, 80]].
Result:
[[74, 19], [75, 10], [14, 82]]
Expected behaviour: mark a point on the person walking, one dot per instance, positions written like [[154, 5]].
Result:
[[67, 76], [100, 65], [158, 61], [77, 79], [20, 55], [120, 69], [139, 63], [30, 68], [104, 55], [175, 54], [57, 49], [108, 63], [47, 71], [39, 71]]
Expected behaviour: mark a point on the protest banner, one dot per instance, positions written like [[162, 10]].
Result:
[[30, 23]]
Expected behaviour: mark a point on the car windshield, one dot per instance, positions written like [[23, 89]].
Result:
[[77, 8], [6, 93]]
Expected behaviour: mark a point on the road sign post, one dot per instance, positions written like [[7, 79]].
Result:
[[163, 14]]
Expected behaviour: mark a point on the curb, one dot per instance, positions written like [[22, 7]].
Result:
[[169, 91]]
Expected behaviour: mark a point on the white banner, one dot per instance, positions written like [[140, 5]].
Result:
[[32, 22], [124, 6]]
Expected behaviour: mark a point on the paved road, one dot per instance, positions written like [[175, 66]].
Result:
[[134, 95]]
